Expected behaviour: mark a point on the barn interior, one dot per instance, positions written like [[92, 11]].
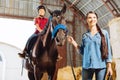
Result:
[[108, 18]]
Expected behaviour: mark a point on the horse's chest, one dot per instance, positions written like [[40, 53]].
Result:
[[48, 56]]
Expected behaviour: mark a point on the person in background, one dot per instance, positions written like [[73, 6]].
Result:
[[95, 50], [40, 22]]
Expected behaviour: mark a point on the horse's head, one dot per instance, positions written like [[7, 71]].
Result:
[[58, 23]]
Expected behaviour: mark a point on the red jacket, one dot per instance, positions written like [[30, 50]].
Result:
[[41, 22]]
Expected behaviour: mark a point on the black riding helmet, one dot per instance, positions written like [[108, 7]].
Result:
[[41, 7]]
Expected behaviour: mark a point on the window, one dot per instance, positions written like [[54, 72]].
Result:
[[18, 8]]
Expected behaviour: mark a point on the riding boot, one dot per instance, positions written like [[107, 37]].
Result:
[[23, 54]]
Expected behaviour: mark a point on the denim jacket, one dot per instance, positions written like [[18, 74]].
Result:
[[90, 50]]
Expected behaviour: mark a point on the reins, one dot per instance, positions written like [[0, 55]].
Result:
[[72, 66], [44, 40]]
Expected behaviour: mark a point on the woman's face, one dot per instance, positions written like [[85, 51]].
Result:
[[91, 19], [41, 12]]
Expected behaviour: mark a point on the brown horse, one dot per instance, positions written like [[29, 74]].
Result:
[[44, 53]]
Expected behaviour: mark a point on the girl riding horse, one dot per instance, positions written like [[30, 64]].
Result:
[[44, 53]]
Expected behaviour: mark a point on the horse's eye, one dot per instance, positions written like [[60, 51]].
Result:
[[54, 15], [65, 31]]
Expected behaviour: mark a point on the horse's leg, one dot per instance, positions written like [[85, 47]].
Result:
[[52, 74], [31, 75], [38, 75]]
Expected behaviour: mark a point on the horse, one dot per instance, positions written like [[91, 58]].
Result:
[[45, 53]]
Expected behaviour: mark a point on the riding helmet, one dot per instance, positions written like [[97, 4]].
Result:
[[41, 7]]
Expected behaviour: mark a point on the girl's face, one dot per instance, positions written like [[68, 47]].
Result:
[[91, 19], [41, 12]]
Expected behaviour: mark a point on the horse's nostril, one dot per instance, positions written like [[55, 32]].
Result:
[[59, 44], [57, 39]]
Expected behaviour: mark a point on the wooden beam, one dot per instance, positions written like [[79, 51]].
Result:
[[16, 17]]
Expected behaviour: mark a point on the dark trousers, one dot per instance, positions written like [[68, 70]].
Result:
[[30, 43]]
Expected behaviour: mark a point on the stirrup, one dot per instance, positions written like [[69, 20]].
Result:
[[21, 55]]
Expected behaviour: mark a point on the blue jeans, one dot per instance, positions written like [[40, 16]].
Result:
[[87, 74]]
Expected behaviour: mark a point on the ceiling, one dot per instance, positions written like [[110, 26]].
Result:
[[106, 9], [26, 9]]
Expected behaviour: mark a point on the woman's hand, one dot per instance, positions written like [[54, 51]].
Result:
[[109, 69], [72, 41]]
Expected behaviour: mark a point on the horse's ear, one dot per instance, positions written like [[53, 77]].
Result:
[[50, 11], [63, 9]]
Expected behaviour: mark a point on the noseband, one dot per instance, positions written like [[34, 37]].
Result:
[[57, 27]]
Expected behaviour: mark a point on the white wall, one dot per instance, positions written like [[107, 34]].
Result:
[[114, 26], [15, 32], [13, 36], [11, 64]]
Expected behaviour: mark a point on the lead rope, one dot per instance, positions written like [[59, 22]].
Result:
[[71, 64]]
